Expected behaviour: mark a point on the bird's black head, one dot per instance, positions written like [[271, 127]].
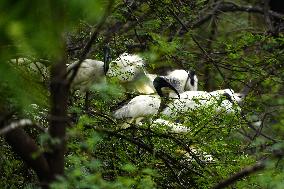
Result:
[[228, 97], [191, 75], [107, 58], [160, 82]]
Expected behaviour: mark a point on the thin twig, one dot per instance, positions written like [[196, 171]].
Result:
[[92, 112], [225, 7], [157, 153], [89, 44], [267, 16], [18, 124], [249, 170], [243, 173]]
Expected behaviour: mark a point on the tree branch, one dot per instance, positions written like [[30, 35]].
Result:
[[237, 176], [157, 153], [248, 170], [28, 150], [89, 44], [267, 16], [23, 145], [59, 89], [225, 7], [17, 124]]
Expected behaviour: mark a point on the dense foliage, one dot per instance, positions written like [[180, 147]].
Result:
[[231, 44]]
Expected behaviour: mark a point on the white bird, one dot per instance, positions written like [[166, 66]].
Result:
[[143, 105], [129, 71], [221, 100], [139, 107], [228, 92], [198, 153], [90, 72], [144, 84], [195, 94], [126, 67], [188, 100], [171, 126], [188, 80], [231, 102], [182, 80]]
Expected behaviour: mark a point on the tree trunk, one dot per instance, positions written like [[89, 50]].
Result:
[[57, 126]]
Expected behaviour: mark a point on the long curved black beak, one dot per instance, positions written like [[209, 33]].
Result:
[[107, 58], [160, 82]]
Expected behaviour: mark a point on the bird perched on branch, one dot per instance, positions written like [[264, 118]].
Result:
[[126, 67], [129, 71], [220, 100], [144, 105], [89, 72], [182, 80]]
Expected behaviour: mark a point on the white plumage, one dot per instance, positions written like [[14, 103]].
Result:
[[192, 83], [201, 155], [173, 127], [128, 70], [190, 100], [231, 103], [143, 105], [185, 78], [218, 93], [89, 73], [126, 67], [139, 107], [193, 94], [144, 85], [182, 80]]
